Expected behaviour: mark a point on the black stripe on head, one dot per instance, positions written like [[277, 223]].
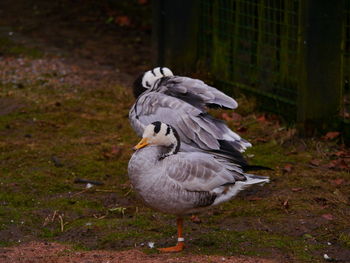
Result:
[[147, 84], [178, 140], [168, 129], [154, 74], [161, 71], [157, 125]]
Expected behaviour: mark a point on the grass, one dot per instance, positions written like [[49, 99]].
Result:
[[87, 130], [10, 47]]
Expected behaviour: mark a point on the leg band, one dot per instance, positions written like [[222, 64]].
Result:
[[180, 239]]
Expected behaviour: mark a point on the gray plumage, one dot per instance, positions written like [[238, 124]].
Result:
[[182, 102], [183, 182]]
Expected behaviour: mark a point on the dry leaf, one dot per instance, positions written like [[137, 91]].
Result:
[[254, 198], [315, 162], [338, 181], [331, 135], [196, 219], [328, 216], [122, 21], [286, 204], [261, 140], [226, 117], [114, 152], [338, 164], [288, 168], [236, 116], [340, 153], [297, 189], [262, 118]]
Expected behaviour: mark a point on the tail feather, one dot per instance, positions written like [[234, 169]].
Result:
[[225, 193]]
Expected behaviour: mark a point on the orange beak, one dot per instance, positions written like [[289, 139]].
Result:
[[141, 144]]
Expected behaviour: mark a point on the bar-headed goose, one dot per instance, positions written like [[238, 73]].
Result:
[[182, 183], [182, 102]]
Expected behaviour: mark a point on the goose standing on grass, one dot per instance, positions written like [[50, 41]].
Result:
[[182, 102], [182, 183]]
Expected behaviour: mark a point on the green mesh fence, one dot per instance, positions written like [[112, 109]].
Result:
[[253, 45]]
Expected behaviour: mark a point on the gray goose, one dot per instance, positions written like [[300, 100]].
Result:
[[182, 183], [182, 102]]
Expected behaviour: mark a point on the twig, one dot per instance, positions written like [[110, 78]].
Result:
[[78, 193], [128, 192], [61, 222], [54, 215]]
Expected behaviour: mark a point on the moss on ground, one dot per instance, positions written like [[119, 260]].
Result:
[[71, 131]]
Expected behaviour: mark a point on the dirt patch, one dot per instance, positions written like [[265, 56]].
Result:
[[56, 253], [9, 105]]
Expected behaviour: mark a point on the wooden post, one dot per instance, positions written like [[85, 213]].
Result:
[[320, 64], [175, 31]]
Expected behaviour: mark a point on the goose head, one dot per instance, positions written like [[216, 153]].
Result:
[[161, 134], [146, 80]]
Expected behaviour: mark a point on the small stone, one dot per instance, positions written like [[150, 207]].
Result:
[[151, 244]]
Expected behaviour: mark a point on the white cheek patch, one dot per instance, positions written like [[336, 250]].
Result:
[[167, 72], [148, 80], [148, 132], [153, 75]]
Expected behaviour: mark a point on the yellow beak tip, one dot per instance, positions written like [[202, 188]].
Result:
[[141, 144]]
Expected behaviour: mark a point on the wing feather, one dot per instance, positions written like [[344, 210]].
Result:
[[199, 171], [193, 125], [196, 92]]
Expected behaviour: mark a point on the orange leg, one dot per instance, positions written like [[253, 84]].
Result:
[[180, 240]]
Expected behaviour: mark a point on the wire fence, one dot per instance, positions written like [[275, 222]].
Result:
[[253, 45]]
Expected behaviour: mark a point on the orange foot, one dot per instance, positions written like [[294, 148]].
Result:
[[179, 247]]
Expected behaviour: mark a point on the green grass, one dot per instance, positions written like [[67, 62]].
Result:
[[81, 131], [10, 47]]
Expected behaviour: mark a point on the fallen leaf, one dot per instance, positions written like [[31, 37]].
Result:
[[122, 21], [261, 118], [286, 204], [340, 153], [196, 219], [288, 168], [226, 117], [331, 135], [338, 181], [315, 162], [297, 189], [338, 164], [328, 216], [236, 116], [261, 140], [254, 198], [114, 152]]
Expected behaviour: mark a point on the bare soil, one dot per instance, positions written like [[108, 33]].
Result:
[[36, 252]]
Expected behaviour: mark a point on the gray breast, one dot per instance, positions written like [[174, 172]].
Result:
[[148, 177]]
